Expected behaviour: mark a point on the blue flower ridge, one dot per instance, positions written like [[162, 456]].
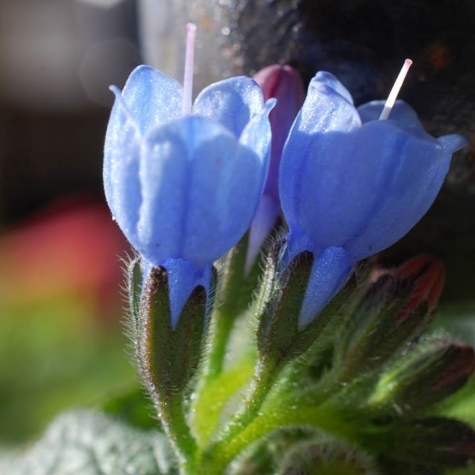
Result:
[[184, 189], [352, 185]]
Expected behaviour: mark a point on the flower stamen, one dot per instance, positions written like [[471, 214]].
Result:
[[388, 105], [189, 64]]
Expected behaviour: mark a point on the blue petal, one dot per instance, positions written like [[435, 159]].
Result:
[[330, 271], [328, 79], [152, 97], [225, 189], [453, 143], [335, 188], [121, 165], [402, 113], [339, 187], [195, 206], [164, 179], [416, 170], [183, 278], [324, 113], [262, 224], [328, 107], [257, 136], [232, 102], [368, 189]]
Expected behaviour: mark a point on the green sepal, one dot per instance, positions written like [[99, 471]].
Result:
[[169, 357], [134, 290], [134, 286], [279, 336]]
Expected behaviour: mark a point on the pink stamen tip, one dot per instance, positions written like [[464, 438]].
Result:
[[395, 90], [189, 64]]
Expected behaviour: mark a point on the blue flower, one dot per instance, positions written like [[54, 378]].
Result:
[[184, 189], [352, 185]]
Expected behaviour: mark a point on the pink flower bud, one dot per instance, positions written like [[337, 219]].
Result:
[[284, 84], [426, 276]]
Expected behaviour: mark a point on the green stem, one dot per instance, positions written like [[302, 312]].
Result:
[[232, 293], [207, 408], [323, 417], [281, 410], [262, 383], [222, 327], [223, 324], [178, 432], [264, 378]]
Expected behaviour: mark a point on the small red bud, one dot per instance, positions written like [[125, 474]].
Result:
[[426, 275], [284, 84]]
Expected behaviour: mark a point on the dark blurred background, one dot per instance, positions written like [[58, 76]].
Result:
[[57, 59], [60, 273]]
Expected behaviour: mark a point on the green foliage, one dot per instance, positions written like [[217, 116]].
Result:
[[359, 392], [54, 357], [86, 443]]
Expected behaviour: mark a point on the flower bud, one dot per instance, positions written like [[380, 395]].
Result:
[[427, 445], [428, 277], [424, 377], [325, 457], [284, 84], [395, 310]]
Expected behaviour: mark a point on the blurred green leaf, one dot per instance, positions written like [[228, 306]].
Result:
[[53, 357], [88, 443], [462, 404]]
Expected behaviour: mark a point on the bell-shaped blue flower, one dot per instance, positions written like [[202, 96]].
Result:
[[184, 189], [352, 185]]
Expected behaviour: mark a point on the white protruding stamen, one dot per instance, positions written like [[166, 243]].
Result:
[[388, 105], [189, 60]]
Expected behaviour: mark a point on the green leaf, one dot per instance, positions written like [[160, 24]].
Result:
[[88, 443]]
